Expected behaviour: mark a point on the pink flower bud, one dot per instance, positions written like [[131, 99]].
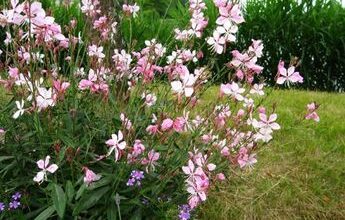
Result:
[[262, 110], [220, 176]]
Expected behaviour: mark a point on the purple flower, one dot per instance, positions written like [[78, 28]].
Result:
[[184, 212], [139, 175], [130, 182], [135, 178], [16, 196], [14, 204], [2, 206]]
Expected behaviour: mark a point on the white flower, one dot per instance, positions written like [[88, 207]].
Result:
[[229, 31], [44, 98], [43, 165], [257, 89], [116, 144], [20, 111], [217, 42], [185, 86]]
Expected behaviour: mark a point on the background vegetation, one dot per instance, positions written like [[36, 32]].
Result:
[[312, 30]]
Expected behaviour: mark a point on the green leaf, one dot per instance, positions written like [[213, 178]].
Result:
[[90, 200], [46, 213], [69, 191], [80, 191], [59, 200], [2, 158]]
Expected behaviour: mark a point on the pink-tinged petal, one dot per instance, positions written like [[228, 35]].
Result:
[[189, 92], [191, 190], [191, 165], [40, 164], [176, 86], [193, 201], [46, 162], [52, 168], [202, 196], [275, 126], [281, 80], [263, 117], [122, 145], [39, 177], [186, 170], [110, 142], [291, 70], [272, 118], [120, 136]]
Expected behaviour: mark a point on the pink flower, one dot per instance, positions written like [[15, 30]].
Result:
[[167, 124], [88, 83], [13, 72], [61, 87], [179, 124], [289, 75], [257, 89], [94, 51], [125, 121], [152, 129], [220, 176], [311, 112], [138, 148], [244, 159], [267, 123], [44, 166], [116, 144], [197, 184], [151, 160], [150, 99], [90, 176], [131, 9], [89, 7], [233, 90]]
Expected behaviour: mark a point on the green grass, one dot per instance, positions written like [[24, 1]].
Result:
[[299, 175]]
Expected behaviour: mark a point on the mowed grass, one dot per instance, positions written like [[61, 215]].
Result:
[[299, 175]]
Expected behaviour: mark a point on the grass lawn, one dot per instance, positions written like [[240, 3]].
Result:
[[300, 174]]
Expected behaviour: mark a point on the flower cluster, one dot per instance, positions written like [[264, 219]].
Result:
[[227, 25], [245, 63], [135, 178], [184, 212], [198, 22], [13, 204], [151, 97]]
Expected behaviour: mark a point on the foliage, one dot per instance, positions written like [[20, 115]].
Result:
[[92, 132]]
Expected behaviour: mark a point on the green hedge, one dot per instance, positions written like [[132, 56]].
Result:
[[313, 30]]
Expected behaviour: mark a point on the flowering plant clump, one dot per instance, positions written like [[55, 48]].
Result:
[[119, 132]]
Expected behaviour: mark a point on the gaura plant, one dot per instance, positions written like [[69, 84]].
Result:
[[125, 133]]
